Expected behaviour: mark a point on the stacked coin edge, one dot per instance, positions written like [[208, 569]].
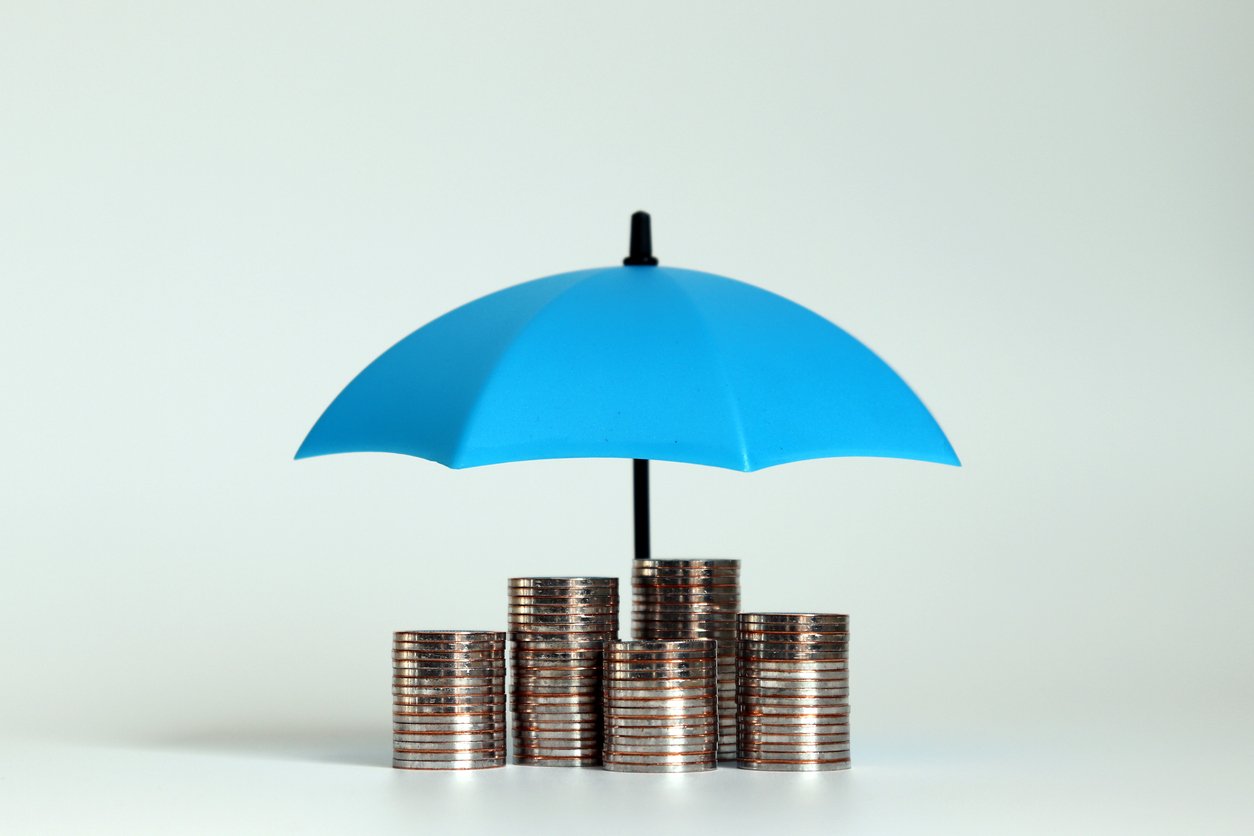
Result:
[[558, 627], [448, 699], [660, 706], [793, 692], [693, 598]]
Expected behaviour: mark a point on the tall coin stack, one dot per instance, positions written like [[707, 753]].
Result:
[[660, 700], [694, 599], [793, 690], [559, 627], [448, 695]]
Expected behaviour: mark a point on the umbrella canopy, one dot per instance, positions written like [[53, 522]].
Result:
[[640, 362]]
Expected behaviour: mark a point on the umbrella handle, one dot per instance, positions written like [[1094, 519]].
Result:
[[640, 496]]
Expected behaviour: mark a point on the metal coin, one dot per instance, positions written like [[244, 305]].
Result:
[[451, 756], [492, 763], [443, 653], [795, 668], [754, 655], [753, 693], [563, 582], [447, 635], [645, 660], [793, 618], [778, 766], [422, 730], [557, 726], [748, 739]]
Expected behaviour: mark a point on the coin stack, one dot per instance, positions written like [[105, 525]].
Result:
[[694, 599], [793, 692], [559, 627], [448, 695], [660, 700]]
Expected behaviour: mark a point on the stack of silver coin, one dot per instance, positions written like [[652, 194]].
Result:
[[693, 599], [448, 695], [558, 628], [660, 701], [793, 692]]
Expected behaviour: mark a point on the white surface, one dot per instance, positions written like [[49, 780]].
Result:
[[213, 215]]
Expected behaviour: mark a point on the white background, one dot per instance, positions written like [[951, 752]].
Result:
[[212, 215]]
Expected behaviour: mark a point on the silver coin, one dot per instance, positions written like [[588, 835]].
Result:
[[557, 727], [448, 650], [442, 712], [646, 596], [653, 647], [793, 618], [754, 642], [798, 675], [444, 747], [445, 667], [576, 737], [795, 669], [492, 763], [467, 656], [664, 677], [638, 698], [563, 592], [691, 750], [777, 766], [557, 686], [755, 655], [451, 683], [746, 740], [563, 717], [703, 766], [661, 722], [776, 688], [487, 734], [452, 756], [523, 760], [613, 711], [563, 583], [794, 752], [755, 701], [556, 659], [423, 731], [802, 641], [681, 562], [447, 635]]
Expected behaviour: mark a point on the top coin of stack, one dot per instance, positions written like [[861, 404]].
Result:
[[558, 627], [448, 695], [693, 599], [793, 688]]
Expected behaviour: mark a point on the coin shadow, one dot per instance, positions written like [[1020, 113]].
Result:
[[350, 747]]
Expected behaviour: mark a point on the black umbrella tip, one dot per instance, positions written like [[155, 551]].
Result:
[[640, 254]]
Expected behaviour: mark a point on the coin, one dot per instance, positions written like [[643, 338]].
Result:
[[792, 618], [486, 763], [794, 766]]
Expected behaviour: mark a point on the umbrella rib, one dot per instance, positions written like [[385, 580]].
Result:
[[724, 379], [469, 421]]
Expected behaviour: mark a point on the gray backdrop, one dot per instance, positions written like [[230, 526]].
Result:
[[212, 215]]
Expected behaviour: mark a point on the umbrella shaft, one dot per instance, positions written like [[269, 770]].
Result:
[[640, 495]]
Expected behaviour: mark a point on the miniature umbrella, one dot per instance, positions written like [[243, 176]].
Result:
[[639, 362]]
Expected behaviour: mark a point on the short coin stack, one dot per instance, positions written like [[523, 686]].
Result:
[[448, 699], [694, 599], [793, 692], [660, 700], [559, 627]]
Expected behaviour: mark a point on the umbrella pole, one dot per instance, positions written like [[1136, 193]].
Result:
[[640, 496], [640, 254]]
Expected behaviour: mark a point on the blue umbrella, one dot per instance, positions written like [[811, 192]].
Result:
[[639, 362]]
